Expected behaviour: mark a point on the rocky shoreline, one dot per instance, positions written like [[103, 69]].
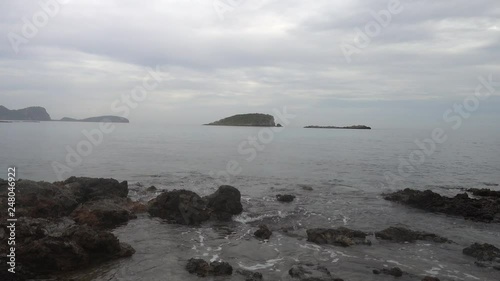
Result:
[[66, 225]]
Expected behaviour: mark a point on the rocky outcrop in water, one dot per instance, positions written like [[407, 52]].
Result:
[[188, 208], [203, 269], [485, 192], [263, 232], [486, 255], [103, 213], [401, 234], [250, 275], [395, 271], [47, 246], [311, 272], [430, 278], [341, 236], [483, 209], [286, 198], [251, 119]]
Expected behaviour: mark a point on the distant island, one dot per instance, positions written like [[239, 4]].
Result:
[[38, 113], [359, 127], [250, 120], [107, 118], [34, 113]]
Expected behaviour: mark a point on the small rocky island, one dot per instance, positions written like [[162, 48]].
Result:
[[106, 118], [250, 120], [38, 113], [358, 127]]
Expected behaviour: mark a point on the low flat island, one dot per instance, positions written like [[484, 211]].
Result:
[[358, 127]]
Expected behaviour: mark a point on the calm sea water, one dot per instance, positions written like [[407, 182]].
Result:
[[345, 168]]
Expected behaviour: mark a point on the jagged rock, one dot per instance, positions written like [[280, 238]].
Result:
[[310, 272], [395, 271], [341, 236], [487, 255], [401, 234], [483, 209], [201, 268], [180, 206], [152, 188], [187, 207], [87, 189], [263, 232], [250, 275], [224, 203], [285, 198], [51, 246], [486, 192], [104, 213]]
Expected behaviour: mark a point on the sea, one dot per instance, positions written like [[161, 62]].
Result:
[[338, 177]]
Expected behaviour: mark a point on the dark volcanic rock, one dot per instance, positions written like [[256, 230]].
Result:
[[224, 203], [395, 271], [285, 198], [483, 209], [187, 207], [250, 275], [310, 272], [487, 255], [429, 278], [486, 192], [51, 246], [341, 236], [87, 189], [263, 232], [104, 213], [40, 199], [401, 234], [180, 206], [202, 268]]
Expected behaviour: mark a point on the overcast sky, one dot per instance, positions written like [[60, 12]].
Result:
[[219, 59]]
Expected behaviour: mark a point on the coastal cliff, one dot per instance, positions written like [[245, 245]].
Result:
[[34, 113]]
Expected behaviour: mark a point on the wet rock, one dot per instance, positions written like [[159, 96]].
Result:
[[136, 207], [310, 272], [179, 206], [395, 271], [401, 234], [482, 252], [285, 198], [104, 213], [187, 207], [483, 209], [87, 189], [40, 199], [341, 236], [429, 278], [485, 192], [306, 187], [201, 268], [152, 188], [263, 232], [250, 275], [51, 246], [224, 203]]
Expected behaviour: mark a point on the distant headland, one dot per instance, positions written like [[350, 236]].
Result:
[[38, 113], [249, 120], [358, 127]]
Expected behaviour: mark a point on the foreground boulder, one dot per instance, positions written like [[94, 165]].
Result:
[[263, 232], [483, 209], [341, 236], [286, 198], [250, 275], [201, 268], [395, 271], [401, 234], [311, 272], [104, 213], [86, 189], [487, 255], [188, 208], [51, 246]]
